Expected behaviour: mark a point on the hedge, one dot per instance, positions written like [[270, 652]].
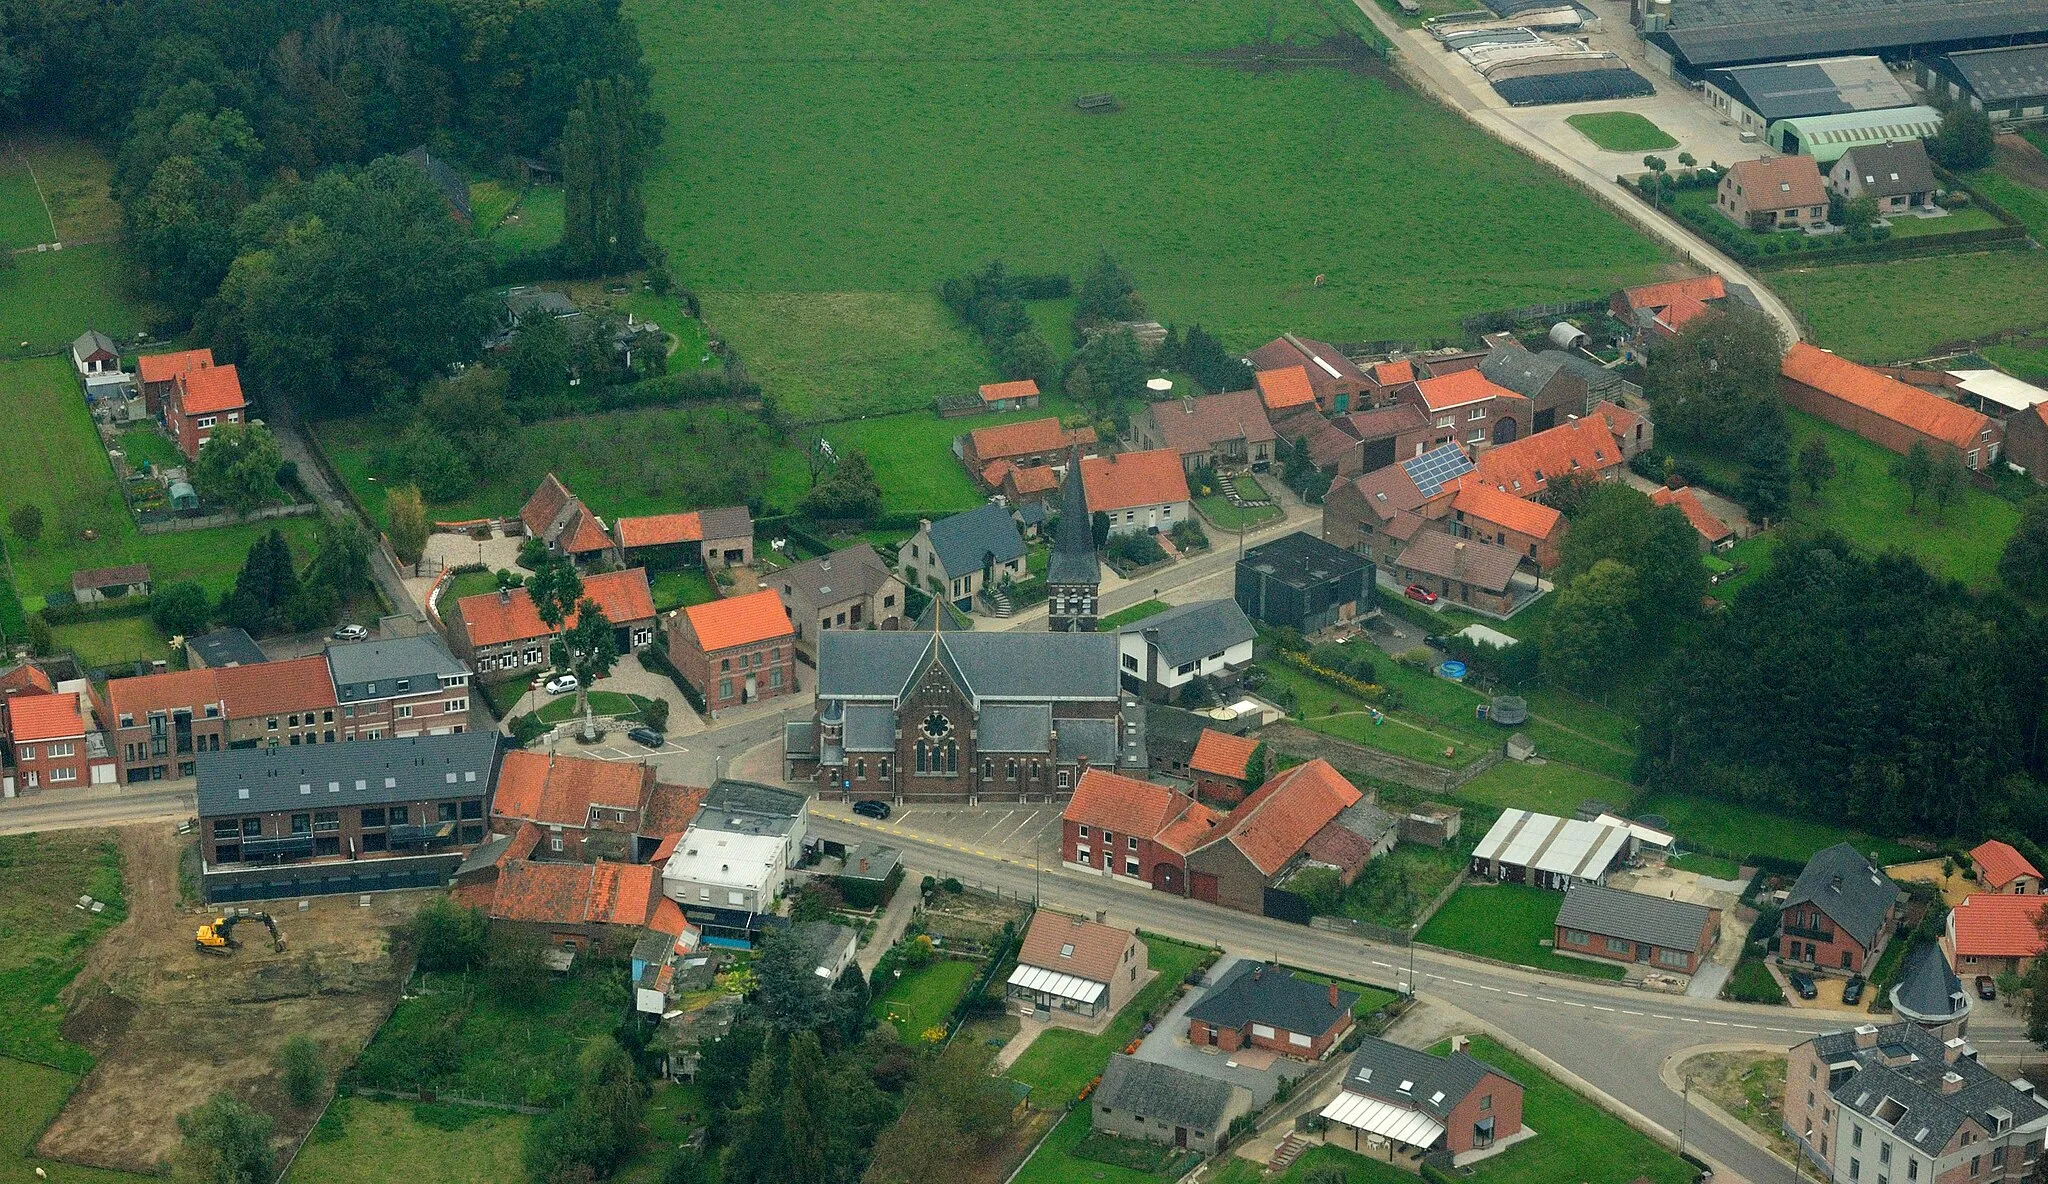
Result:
[[105, 610], [655, 657], [1369, 691]]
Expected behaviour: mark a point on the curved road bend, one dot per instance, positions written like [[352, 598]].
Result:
[[1615, 1038]]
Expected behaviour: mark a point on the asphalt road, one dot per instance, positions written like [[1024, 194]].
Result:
[[104, 806]]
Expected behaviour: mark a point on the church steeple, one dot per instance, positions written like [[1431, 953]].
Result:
[[1073, 574]]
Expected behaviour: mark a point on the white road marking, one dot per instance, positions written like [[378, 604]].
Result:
[[1749, 1027], [1688, 1019], [1461, 982], [1626, 1011], [1784, 1030], [1715, 1023], [1597, 1007], [1545, 999], [1570, 1003], [1484, 987], [1519, 994], [1655, 1016], [1386, 965]]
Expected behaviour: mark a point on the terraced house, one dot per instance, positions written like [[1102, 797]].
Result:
[[403, 686], [502, 632], [158, 724]]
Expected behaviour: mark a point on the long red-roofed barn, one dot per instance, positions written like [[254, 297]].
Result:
[[1885, 411]]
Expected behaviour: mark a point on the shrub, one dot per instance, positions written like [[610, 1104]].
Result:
[[655, 714], [304, 1076]]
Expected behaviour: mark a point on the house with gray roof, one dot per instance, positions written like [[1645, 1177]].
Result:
[[850, 589], [1161, 1104], [1161, 654], [955, 558], [1896, 175], [446, 179], [1929, 993], [1897, 1102], [399, 686], [1261, 1005], [94, 353], [1839, 914], [1411, 1099], [1673, 936], [335, 818], [942, 715], [1559, 384]]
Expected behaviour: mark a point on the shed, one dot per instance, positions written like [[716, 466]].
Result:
[[1548, 851], [1565, 335], [1826, 137]]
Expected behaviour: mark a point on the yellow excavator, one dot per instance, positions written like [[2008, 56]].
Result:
[[218, 935]]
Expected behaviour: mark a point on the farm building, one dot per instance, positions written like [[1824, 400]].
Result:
[[1161, 1104], [1884, 410], [2002, 869], [1685, 38], [1826, 137], [1712, 531], [2009, 83], [1335, 381], [1754, 97], [1550, 852]]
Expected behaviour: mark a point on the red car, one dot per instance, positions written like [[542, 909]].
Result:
[[1418, 592]]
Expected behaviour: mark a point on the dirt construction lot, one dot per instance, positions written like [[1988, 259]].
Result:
[[171, 1025]]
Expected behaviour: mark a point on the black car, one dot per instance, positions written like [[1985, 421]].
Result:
[[647, 736], [870, 809], [1986, 989], [1802, 984], [1852, 991]]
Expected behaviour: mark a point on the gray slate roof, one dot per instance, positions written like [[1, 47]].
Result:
[[1175, 732], [828, 579], [1726, 32], [1611, 912], [1091, 738], [1380, 1066], [1163, 1092], [1191, 632], [1365, 819], [870, 727], [1014, 727], [484, 856], [1301, 560], [1528, 374], [395, 666], [747, 797], [1891, 169], [2011, 72], [1790, 90], [731, 522], [881, 861], [1073, 561], [1927, 989], [93, 341], [963, 540], [1849, 889], [1929, 1118], [1254, 992], [445, 177], [363, 773], [877, 664]]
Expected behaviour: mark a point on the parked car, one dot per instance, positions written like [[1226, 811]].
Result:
[[1418, 592], [646, 736], [1852, 991], [560, 684], [1986, 989], [350, 633], [1803, 984], [1432, 640], [871, 809]]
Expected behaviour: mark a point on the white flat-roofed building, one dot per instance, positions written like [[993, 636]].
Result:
[[1550, 852]]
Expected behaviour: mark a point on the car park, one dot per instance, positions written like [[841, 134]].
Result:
[[872, 809], [1419, 593], [560, 684], [1803, 984], [646, 737], [349, 633]]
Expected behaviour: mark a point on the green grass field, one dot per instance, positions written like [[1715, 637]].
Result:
[[912, 451], [49, 297], [1507, 922], [1055, 1161], [2026, 360], [147, 446], [924, 997], [23, 220], [1622, 131], [1576, 1139], [1958, 222], [35, 1093], [1706, 865], [536, 224], [41, 878], [856, 147], [383, 1143], [1739, 830], [686, 586], [1553, 788], [1132, 615], [74, 174], [1925, 302], [489, 201], [1357, 1169], [1063, 1060], [1219, 514], [114, 641], [2002, 184]]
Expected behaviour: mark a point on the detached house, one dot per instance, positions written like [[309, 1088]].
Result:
[[1991, 933], [1839, 914], [1412, 1099], [1784, 193], [563, 524], [1596, 921], [735, 651], [1073, 965], [1896, 175], [159, 374], [1161, 1104], [1138, 490], [1884, 410], [201, 400], [1713, 532], [2003, 870], [1260, 1005], [850, 589], [1301, 582], [956, 557], [502, 631], [1214, 430], [1163, 653]]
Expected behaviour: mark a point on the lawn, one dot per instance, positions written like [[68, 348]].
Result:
[[1217, 511], [1405, 879], [1338, 713], [1706, 865], [35, 1093], [41, 878], [1716, 825], [2026, 360], [74, 175], [2021, 200], [467, 583], [1553, 788], [1063, 1060], [924, 997], [1370, 998], [112, 642], [534, 226], [57, 463], [1357, 1169], [1056, 1161], [1507, 922], [1957, 222], [1576, 1139], [914, 454], [854, 147], [151, 448], [603, 704], [489, 201], [49, 297], [23, 221], [1908, 308], [682, 587], [1752, 983], [385, 1143], [1622, 131], [1132, 615]]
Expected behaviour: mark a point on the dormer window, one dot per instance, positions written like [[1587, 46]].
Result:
[[1067, 949]]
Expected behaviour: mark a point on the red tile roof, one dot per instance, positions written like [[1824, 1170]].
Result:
[[739, 620], [1488, 504], [496, 617], [584, 534], [1456, 390], [138, 697], [1190, 830], [668, 918], [1677, 302], [210, 389], [1277, 821], [1036, 479], [1393, 373], [1999, 864], [1525, 467], [1073, 946], [108, 577], [1998, 926], [1222, 754], [44, 717], [574, 893], [993, 473], [26, 677], [165, 367], [549, 499], [1023, 439], [1860, 386], [661, 530], [670, 809], [553, 790], [1132, 479], [1126, 806], [1285, 387], [266, 687], [1383, 422], [1703, 520], [1779, 183], [995, 392]]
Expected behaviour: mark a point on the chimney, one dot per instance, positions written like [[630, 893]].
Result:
[[924, 524], [1101, 916], [1835, 883], [1258, 971], [863, 865], [504, 596], [1951, 1082], [1333, 994], [1866, 1036]]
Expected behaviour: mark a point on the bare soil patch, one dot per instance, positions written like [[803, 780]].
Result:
[[2018, 157], [171, 1025]]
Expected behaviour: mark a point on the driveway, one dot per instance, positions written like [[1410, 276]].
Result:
[[1255, 1069], [448, 549]]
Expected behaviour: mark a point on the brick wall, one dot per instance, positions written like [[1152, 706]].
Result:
[[1886, 433]]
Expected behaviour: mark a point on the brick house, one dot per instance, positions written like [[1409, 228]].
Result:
[[1783, 193], [587, 808], [599, 905], [401, 686], [1654, 312], [1386, 434], [1886, 411], [1587, 447], [158, 373], [1596, 921], [1074, 965], [1137, 830], [1992, 933], [1285, 390], [1409, 1098], [202, 399], [722, 537], [1337, 382], [1385, 380], [158, 724], [50, 749], [1162, 1104], [1713, 532], [1214, 430], [1220, 767], [2026, 441], [1021, 395], [1138, 490], [279, 703], [1265, 835], [1463, 571], [563, 524], [1896, 1102], [1558, 385], [735, 651], [1896, 175], [1025, 445], [1260, 1005], [2003, 870], [1469, 409], [849, 589], [1839, 914], [1375, 514], [502, 632], [1485, 514]]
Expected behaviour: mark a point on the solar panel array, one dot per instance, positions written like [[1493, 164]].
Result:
[[1434, 469]]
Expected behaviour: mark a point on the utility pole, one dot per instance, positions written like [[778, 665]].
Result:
[[1684, 1115]]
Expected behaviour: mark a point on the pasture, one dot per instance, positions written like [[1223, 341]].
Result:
[[1909, 308]]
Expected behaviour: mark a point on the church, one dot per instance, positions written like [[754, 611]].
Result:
[[944, 716]]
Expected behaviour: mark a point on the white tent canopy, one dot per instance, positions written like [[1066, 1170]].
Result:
[[1052, 982], [1375, 1117], [1547, 843]]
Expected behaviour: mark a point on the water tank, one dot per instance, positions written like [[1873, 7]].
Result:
[[1656, 15], [1567, 336]]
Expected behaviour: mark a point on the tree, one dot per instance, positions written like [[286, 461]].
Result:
[[264, 588], [517, 966], [341, 559], [431, 459], [1916, 469], [1767, 468], [1858, 214], [405, 524], [604, 147], [298, 1061], [1107, 293], [2024, 563], [539, 361], [1816, 465], [449, 936], [224, 1142], [584, 648], [181, 609], [687, 1165], [26, 521], [806, 1110], [1116, 369], [1705, 382], [1298, 469], [238, 467], [1256, 765], [599, 1127], [1965, 139], [1591, 626], [469, 410], [1656, 543], [1098, 525], [849, 491], [1945, 484], [788, 995]]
